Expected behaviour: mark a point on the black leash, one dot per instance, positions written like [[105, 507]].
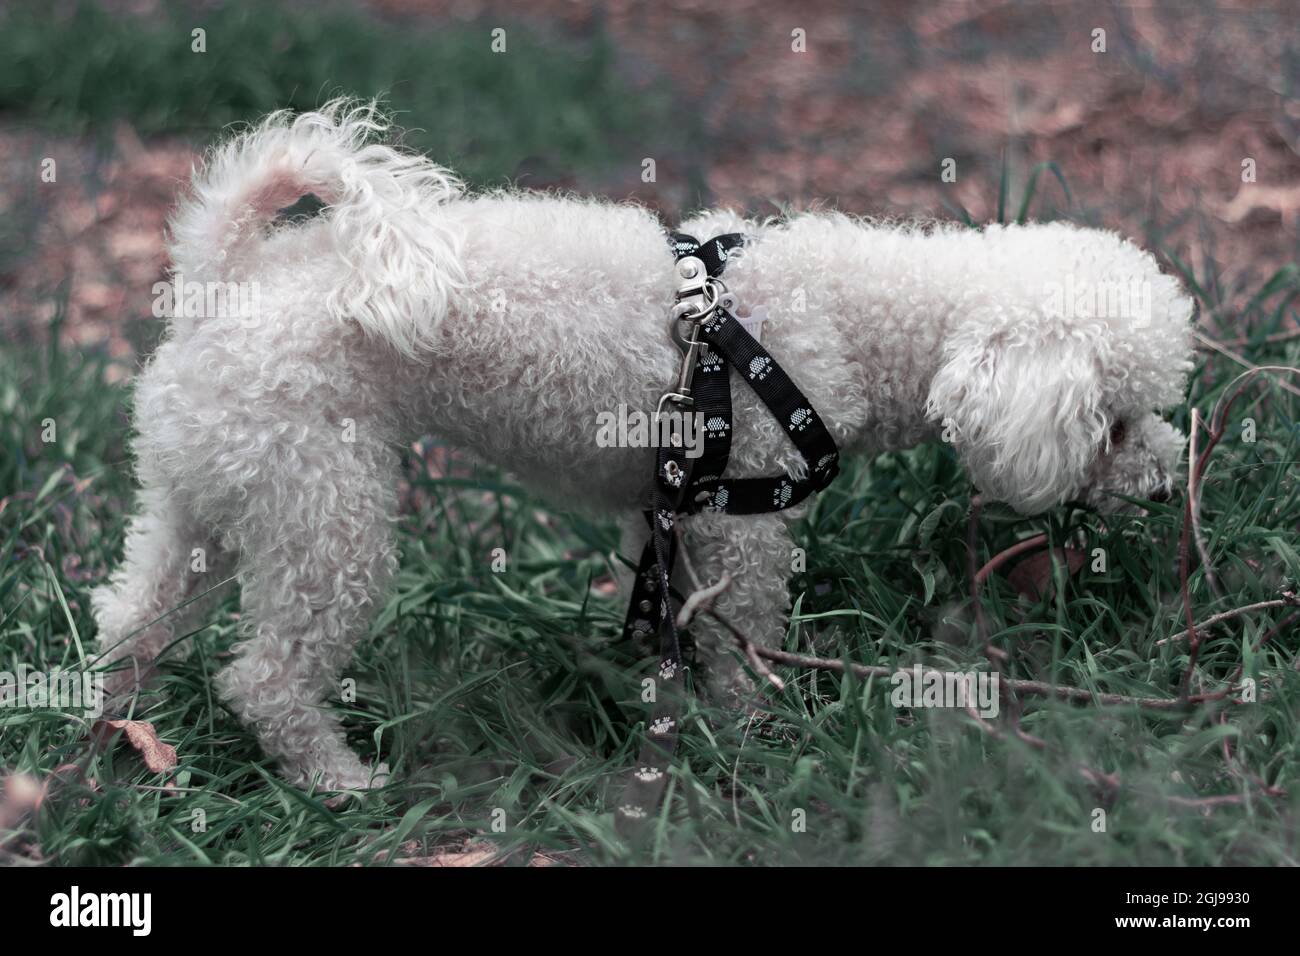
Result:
[[716, 342]]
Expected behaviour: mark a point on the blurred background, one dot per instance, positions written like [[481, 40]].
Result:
[[1147, 124]]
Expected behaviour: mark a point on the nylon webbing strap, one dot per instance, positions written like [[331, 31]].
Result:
[[684, 486], [745, 496]]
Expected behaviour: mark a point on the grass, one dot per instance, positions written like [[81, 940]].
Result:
[[503, 697], [502, 701]]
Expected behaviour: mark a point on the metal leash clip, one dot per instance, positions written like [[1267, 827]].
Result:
[[698, 294]]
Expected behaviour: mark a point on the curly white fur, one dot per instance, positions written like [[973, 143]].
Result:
[[506, 322]]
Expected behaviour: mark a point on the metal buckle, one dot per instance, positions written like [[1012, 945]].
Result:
[[698, 295]]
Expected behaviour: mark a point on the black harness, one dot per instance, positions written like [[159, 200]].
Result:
[[716, 342]]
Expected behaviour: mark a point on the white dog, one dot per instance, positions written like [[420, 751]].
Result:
[[506, 323]]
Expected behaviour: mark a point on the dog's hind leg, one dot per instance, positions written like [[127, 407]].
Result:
[[316, 554], [169, 560], [757, 553]]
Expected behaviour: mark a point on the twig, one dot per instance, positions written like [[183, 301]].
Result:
[[1103, 781], [1020, 547], [1288, 599], [1222, 407], [995, 732], [995, 655], [756, 662], [701, 598], [1226, 799], [1193, 639], [1196, 472], [1194, 503], [1245, 362], [1030, 688], [1215, 344], [1038, 743]]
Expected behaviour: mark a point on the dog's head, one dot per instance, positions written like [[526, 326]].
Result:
[[1139, 459], [1044, 408]]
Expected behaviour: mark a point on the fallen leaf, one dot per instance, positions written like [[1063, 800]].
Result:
[[1032, 577], [474, 853], [477, 854], [141, 734], [1272, 200]]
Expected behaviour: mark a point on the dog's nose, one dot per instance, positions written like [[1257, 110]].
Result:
[[1161, 495]]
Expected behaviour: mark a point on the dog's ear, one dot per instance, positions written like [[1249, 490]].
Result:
[[1025, 415]]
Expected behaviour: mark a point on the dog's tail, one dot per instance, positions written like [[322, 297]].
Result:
[[401, 263]]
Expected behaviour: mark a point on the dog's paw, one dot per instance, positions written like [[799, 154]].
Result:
[[344, 777], [351, 787]]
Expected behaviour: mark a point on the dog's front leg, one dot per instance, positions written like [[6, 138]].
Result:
[[757, 553], [317, 554]]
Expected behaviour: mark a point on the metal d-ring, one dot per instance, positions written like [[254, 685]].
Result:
[[695, 313]]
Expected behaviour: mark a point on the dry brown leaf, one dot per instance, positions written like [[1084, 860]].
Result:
[[1282, 201], [1032, 577], [541, 859], [472, 853], [141, 734]]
